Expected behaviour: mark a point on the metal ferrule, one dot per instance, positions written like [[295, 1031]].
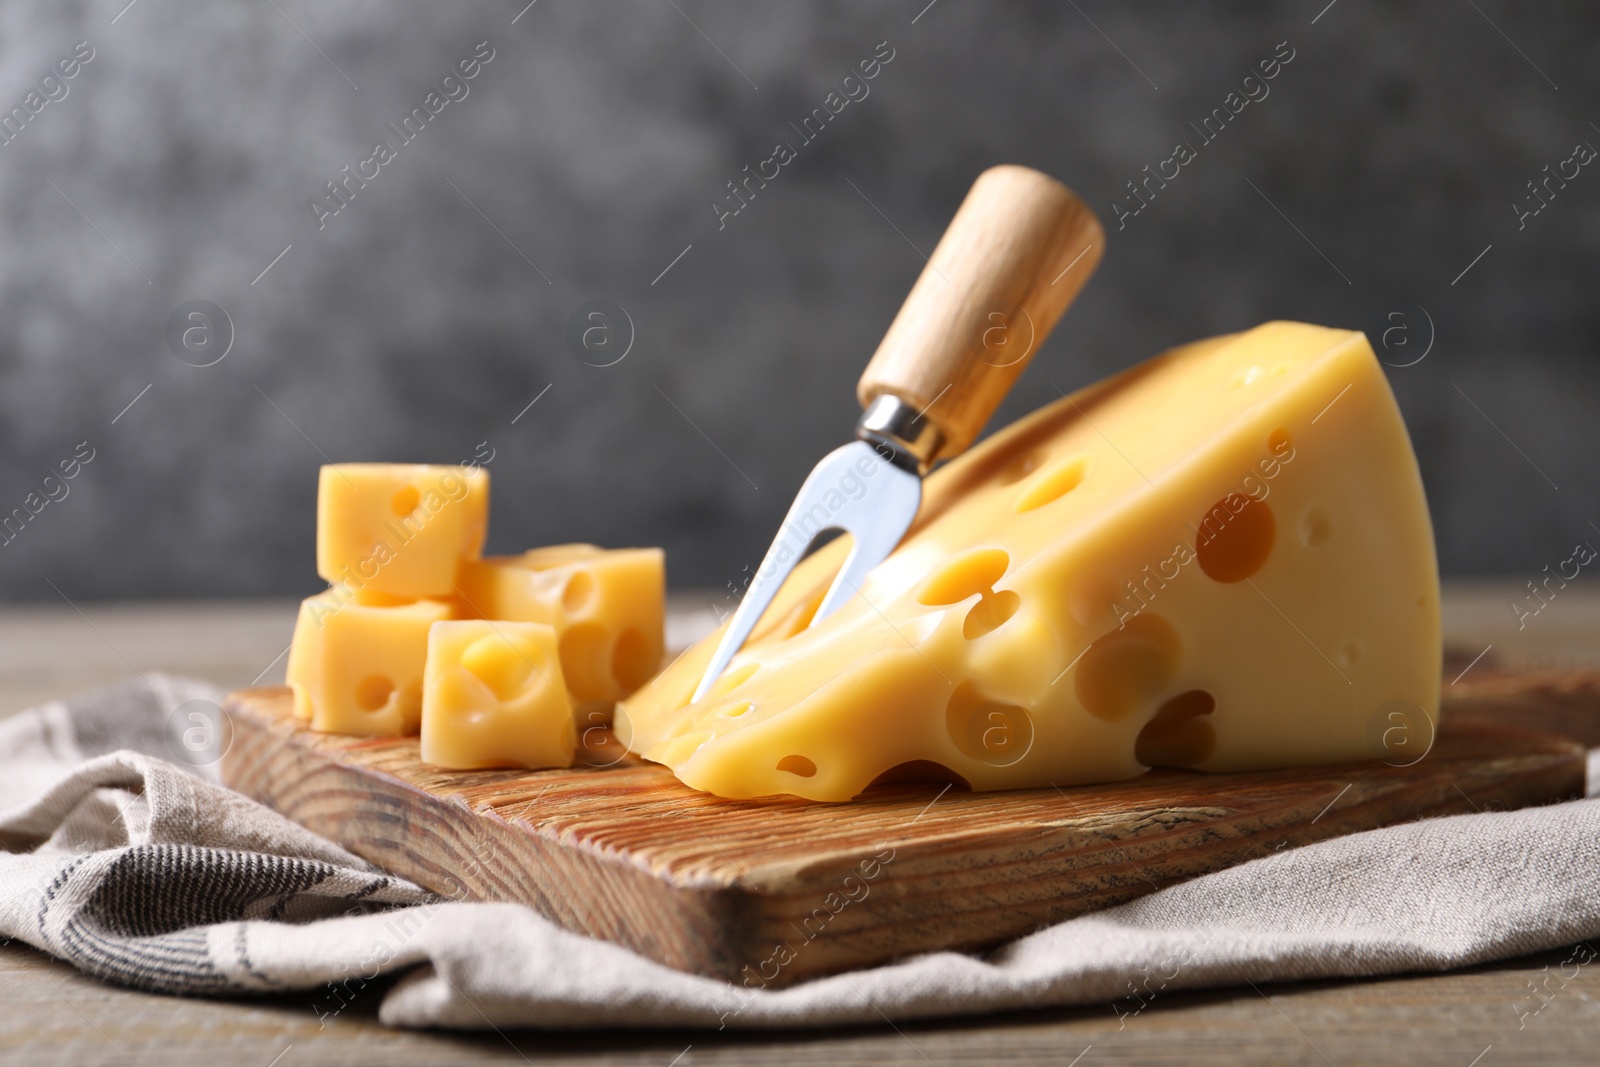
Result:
[[899, 433]]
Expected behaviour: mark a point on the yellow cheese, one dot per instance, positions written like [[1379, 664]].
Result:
[[494, 697], [607, 607], [1221, 559], [399, 528], [357, 658]]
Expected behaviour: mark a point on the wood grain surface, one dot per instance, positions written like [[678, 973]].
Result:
[[1564, 702], [620, 850]]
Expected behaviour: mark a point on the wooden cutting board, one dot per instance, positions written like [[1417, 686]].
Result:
[[768, 892]]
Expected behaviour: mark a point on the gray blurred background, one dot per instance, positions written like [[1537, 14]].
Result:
[[424, 317]]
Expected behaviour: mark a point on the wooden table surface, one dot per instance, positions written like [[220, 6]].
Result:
[[1467, 1018]]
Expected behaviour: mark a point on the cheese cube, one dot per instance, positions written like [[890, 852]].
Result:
[[1221, 560], [399, 528], [357, 659], [608, 608], [494, 697]]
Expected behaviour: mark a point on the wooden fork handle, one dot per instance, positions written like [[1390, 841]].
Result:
[[1018, 250]]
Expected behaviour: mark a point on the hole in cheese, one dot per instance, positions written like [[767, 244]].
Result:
[[1021, 467], [405, 501], [797, 765], [631, 661], [503, 662], [575, 595], [733, 679], [990, 613], [373, 691], [454, 693], [1124, 669], [921, 770], [1235, 538], [1054, 483], [1315, 528], [1178, 735], [584, 663], [966, 575], [989, 731], [734, 710], [799, 616]]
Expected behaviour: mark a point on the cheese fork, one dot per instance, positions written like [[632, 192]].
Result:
[[1017, 252]]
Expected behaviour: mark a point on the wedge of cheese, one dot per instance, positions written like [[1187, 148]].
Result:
[[399, 528], [607, 606], [493, 696], [1220, 559], [356, 661]]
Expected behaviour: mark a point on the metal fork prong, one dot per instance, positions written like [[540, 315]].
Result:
[[768, 580], [845, 583], [854, 489], [874, 534], [870, 547], [770, 576]]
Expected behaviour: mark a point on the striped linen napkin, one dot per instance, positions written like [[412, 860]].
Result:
[[126, 858]]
